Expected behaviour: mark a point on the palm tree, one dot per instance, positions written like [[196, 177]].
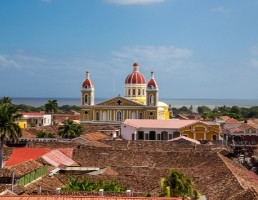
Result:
[[178, 185], [9, 128], [70, 130], [51, 107], [5, 100]]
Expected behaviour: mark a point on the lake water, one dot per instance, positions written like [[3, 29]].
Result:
[[177, 103]]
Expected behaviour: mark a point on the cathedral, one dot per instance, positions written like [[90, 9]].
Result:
[[140, 101]]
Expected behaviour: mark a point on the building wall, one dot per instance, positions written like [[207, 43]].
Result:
[[201, 131]]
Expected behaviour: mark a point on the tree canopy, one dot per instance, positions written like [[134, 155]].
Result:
[[9, 128], [177, 184], [70, 130]]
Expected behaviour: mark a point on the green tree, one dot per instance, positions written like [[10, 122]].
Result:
[[44, 134], [203, 109], [89, 185], [5, 100], [9, 128], [51, 107], [178, 185], [70, 130]]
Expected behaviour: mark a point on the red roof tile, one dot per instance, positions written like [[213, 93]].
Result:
[[20, 155], [38, 197]]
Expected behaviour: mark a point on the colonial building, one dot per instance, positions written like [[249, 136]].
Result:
[[30, 119], [141, 101], [135, 129]]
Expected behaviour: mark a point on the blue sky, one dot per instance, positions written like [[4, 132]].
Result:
[[197, 48]]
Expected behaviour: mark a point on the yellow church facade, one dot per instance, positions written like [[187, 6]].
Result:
[[141, 101]]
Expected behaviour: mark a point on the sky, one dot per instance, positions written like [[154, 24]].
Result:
[[198, 49]]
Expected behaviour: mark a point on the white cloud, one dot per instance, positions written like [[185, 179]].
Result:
[[6, 62], [132, 2], [220, 9], [169, 57]]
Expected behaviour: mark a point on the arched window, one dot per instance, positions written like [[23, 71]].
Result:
[[119, 116], [129, 92], [97, 116], [86, 99], [164, 135], [140, 115], [151, 99]]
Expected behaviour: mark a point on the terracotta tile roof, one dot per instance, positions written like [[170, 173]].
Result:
[[55, 197], [20, 155], [96, 136], [183, 138], [244, 128], [24, 168], [67, 151], [56, 158], [27, 134]]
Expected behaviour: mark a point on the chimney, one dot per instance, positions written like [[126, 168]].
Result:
[[39, 189], [129, 193], [58, 191], [101, 192]]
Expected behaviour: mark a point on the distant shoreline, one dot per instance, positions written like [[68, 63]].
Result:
[[177, 103]]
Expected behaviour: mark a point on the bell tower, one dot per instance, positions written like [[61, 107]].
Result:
[[87, 91], [152, 92]]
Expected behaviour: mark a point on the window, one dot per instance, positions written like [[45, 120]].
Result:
[[152, 135], [214, 137], [129, 92], [140, 116], [140, 135], [139, 91], [119, 116], [151, 116], [133, 91], [151, 99], [142, 91], [86, 99], [97, 116], [86, 112]]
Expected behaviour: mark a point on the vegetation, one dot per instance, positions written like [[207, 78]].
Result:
[[70, 130], [51, 107], [45, 134], [178, 185], [238, 113], [9, 128], [89, 185]]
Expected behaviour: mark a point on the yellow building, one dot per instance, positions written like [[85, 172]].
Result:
[[202, 131], [141, 101]]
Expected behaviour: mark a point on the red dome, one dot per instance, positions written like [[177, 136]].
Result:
[[135, 77], [152, 83], [87, 83]]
